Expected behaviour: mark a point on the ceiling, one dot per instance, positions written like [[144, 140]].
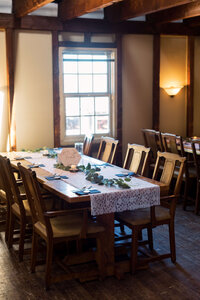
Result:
[[114, 11]]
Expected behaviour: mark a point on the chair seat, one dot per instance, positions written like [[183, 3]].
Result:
[[142, 216], [16, 210], [68, 226]]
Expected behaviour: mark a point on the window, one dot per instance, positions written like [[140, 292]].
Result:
[[88, 99]]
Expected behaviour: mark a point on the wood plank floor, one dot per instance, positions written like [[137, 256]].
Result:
[[162, 280]]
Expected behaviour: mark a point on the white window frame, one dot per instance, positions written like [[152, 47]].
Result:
[[67, 140]]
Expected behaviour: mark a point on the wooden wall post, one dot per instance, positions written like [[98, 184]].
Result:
[[56, 97], [190, 87], [10, 83], [119, 99], [156, 82]]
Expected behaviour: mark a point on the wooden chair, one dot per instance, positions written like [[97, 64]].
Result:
[[59, 226], [195, 147], [107, 149], [152, 139], [159, 215], [136, 158], [4, 207], [87, 144], [18, 207], [174, 144]]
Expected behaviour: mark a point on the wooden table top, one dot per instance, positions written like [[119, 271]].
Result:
[[65, 191]]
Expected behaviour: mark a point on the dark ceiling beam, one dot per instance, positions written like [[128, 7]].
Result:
[[21, 8], [70, 9], [133, 8], [192, 22], [177, 13], [94, 26]]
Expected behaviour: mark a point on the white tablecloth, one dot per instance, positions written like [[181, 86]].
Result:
[[111, 199]]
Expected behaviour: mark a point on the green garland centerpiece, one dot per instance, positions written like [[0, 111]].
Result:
[[92, 175]]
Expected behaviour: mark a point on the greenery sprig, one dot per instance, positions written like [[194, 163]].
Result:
[[93, 176]]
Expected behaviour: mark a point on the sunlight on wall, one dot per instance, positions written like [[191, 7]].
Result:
[[1, 110]]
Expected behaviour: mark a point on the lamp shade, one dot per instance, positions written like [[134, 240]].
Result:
[[173, 90]]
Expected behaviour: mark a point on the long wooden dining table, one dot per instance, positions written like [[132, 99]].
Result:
[[143, 192]]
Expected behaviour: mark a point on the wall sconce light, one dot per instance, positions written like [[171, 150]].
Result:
[[173, 90]]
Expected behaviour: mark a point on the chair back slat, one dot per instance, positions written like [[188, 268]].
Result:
[[171, 162], [173, 143], [107, 149], [11, 185], [87, 144], [152, 139], [34, 196], [136, 158]]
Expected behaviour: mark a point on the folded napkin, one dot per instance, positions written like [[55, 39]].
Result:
[[36, 166], [126, 174], [56, 177], [92, 191], [23, 157]]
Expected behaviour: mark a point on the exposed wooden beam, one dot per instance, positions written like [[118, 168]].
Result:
[[10, 83], [156, 82], [94, 26], [134, 8], [70, 9], [190, 86], [177, 13], [21, 8]]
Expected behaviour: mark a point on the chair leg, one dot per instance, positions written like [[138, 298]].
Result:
[[11, 231], [172, 242], [7, 229], [150, 238], [49, 257], [34, 251], [197, 199], [134, 249], [21, 239]]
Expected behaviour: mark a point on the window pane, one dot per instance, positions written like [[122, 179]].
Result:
[[70, 84], [72, 126], [100, 56], [102, 124], [85, 56], [85, 83], [100, 83], [87, 125], [100, 67], [85, 67], [87, 106], [102, 105], [70, 67], [72, 106], [69, 56]]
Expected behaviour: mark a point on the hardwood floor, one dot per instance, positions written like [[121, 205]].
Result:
[[162, 280]]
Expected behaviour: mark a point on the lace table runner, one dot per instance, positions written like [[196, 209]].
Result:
[[111, 199]]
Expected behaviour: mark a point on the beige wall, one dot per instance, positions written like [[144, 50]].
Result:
[[197, 88], [137, 73], [33, 101], [173, 71], [3, 94]]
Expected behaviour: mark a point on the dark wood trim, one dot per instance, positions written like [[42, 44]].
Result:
[[10, 83], [119, 100], [94, 26], [156, 82], [56, 96], [190, 87], [87, 44]]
